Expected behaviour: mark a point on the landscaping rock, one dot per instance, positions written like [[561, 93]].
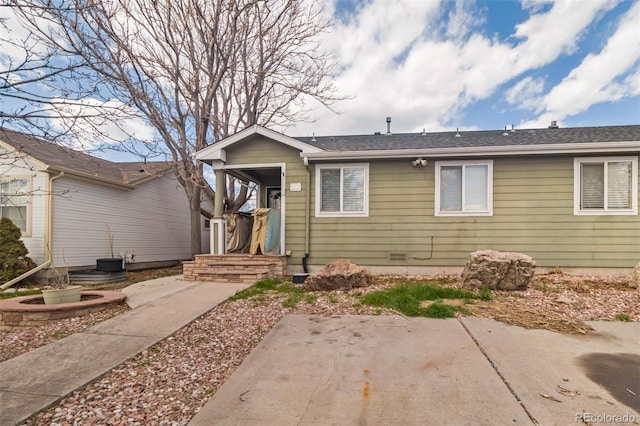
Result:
[[498, 270], [634, 282], [564, 299], [339, 274]]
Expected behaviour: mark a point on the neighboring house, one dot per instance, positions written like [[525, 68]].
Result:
[[422, 202], [69, 205]]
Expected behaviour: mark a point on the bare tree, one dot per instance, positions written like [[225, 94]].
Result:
[[28, 74], [195, 70], [43, 92], [278, 64]]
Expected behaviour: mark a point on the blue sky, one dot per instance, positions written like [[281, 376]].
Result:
[[481, 65], [442, 65]]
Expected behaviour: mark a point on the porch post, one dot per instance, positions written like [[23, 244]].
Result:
[[218, 223], [218, 208]]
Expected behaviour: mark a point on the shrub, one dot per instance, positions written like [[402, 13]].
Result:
[[13, 253]]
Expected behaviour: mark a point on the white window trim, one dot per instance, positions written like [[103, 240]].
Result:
[[489, 164], [29, 180], [605, 212], [320, 167]]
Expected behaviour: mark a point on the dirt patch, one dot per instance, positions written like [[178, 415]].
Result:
[[450, 302], [142, 275], [529, 317], [562, 303], [556, 302]]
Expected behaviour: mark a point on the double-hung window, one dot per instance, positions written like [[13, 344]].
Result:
[[14, 201], [606, 186], [464, 188], [342, 190]]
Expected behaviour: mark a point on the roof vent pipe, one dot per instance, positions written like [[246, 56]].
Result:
[[388, 125], [554, 125]]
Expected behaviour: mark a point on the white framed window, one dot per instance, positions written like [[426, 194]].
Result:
[[605, 186], [464, 188], [342, 190], [14, 201]]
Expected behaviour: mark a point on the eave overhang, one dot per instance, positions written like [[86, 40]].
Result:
[[88, 176], [478, 151]]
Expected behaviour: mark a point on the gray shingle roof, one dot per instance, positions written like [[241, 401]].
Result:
[[488, 138], [59, 157]]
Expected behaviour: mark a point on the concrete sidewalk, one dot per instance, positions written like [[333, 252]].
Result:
[[34, 380], [364, 370]]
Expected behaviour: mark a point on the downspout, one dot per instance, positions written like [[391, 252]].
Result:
[[48, 243], [307, 228]]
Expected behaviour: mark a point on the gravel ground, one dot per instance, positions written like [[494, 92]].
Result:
[[14, 343], [168, 383]]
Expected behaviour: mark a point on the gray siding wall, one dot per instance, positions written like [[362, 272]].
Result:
[[532, 214], [152, 219]]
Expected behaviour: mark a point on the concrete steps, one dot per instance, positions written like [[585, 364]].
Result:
[[234, 268]]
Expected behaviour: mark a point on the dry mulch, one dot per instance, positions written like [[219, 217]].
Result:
[[562, 303], [168, 383]]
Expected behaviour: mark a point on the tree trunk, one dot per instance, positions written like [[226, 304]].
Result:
[[194, 213]]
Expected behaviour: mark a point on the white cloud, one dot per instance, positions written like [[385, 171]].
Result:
[[462, 20], [632, 83], [548, 35], [596, 79], [525, 94], [400, 59], [102, 123]]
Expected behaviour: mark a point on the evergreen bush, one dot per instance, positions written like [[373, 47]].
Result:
[[13, 253]]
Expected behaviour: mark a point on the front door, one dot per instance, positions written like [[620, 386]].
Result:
[[273, 197]]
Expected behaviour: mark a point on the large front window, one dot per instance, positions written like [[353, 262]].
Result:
[[342, 190], [606, 185], [464, 188], [14, 200]]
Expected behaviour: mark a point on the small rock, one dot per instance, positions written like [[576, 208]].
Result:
[[634, 281], [564, 299], [10, 291]]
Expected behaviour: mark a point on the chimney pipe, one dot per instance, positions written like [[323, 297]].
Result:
[[388, 125]]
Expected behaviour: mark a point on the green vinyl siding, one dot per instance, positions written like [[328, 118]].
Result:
[[532, 214]]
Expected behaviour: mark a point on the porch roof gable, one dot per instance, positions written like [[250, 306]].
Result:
[[216, 151]]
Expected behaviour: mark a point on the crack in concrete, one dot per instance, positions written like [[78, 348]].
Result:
[[335, 360], [504, 379]]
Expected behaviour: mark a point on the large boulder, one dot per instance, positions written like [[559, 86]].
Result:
[[634, 281], [498, 270], [339, 274]]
